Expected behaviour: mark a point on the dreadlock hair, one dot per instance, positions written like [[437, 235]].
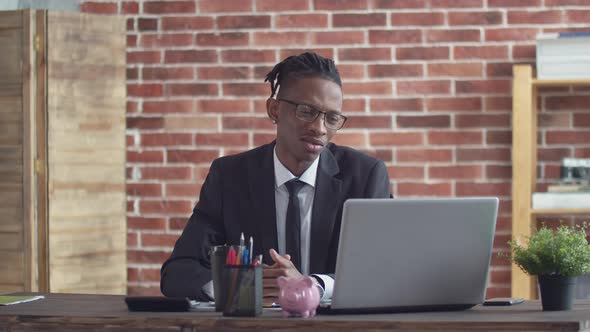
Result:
[[307, 64]]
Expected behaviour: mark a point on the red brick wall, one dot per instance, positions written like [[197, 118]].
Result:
[[427, 85]]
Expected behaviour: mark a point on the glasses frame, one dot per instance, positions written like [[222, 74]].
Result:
[[317, 114]]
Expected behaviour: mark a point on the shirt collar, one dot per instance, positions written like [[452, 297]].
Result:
[[282, 174]]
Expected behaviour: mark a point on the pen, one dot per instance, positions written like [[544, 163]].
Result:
[[251, 250], [245, 260], [240, 250], [239, 257], [231, 256]]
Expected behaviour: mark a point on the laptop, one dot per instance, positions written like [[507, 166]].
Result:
[[410, 255]]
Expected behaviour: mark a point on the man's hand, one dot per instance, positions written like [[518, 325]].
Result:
[[282, 267]]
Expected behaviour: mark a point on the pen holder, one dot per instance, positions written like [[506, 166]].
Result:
[[218, 256], [242, 285]]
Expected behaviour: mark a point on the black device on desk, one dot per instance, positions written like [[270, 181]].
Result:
[[157, 303], [502, 301]]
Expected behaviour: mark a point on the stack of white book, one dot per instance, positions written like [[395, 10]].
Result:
[[563, 196], [563, 55], [563, 200]]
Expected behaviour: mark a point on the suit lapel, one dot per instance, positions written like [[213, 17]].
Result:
[[325, 208], [262, 191]]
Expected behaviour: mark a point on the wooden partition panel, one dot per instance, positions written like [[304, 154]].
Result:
[[62, 152], [12, 228], [86, 153]]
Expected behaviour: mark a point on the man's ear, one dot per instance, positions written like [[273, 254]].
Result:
[[281, 281], [307, 281], [272, 109]]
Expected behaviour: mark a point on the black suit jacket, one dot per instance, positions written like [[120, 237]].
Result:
[[239, 196]]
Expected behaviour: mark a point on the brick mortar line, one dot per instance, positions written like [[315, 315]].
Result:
[[352, 45]]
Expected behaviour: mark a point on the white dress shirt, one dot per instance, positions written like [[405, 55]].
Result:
[[305, 196]]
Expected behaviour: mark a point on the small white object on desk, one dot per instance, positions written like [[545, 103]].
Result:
[[202, 306], [16, 299]]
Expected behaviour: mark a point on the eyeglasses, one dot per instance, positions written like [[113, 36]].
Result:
[[332, 119]]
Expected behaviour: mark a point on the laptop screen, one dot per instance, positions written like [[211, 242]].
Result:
[[414, 252]]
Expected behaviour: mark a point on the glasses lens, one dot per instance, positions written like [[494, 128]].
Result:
[[334, 120], [306, 113]]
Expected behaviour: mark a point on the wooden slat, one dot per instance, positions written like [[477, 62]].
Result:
[[8, 118], [560, 211], [10, 259], [98, 125], [10, 19], [95, 140], [77, 88], [31, 274], [10, 39], [11, 270], [11, 188], [10, 288], [10, 155], [95, 73], [72, 172], [101, 52], [524, 143], [93, 28], [561, 82], [10, 223], [11, 277], [10, 105], [10, 173], [11, 241], [11, 198], [37, 159], [10, 133], [77, 204], [12, 244], [86, 155], [10, 89], [81, 101], [11, 213]]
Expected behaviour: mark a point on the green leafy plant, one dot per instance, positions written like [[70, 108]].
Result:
[[564, 252]]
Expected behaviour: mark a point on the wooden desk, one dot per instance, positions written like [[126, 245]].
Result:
[[61, 312]]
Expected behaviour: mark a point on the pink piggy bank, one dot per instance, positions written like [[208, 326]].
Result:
[[298, 296]]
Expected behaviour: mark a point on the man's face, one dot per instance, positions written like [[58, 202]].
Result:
[[298, 140]]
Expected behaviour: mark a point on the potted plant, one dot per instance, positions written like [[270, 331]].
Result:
[[556, 258]]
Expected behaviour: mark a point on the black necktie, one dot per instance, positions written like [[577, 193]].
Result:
[[293, 221]]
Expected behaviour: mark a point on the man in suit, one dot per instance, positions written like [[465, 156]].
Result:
[[288, 195]]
